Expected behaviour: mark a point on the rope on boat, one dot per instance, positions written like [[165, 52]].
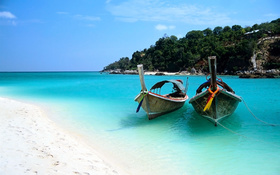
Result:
[[236, 133], [241, 135], [271, 124]]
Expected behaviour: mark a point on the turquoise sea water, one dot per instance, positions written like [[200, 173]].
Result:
[[101, 108]]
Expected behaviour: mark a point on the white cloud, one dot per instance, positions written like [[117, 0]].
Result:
[[164, 27], [7, 15], [271, 15], [91, 25], [7, 19], [87, 18], [171, 27], [62, 13], [161, 27], [160, 11]]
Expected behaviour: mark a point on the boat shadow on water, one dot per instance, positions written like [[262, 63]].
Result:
[[195, 124], [184, 121], [141, 119]]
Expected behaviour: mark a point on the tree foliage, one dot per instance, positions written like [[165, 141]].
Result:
[[233, 47]]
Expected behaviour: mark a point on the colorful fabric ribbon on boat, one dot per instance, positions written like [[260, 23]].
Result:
[[141, 101], [210, 98]]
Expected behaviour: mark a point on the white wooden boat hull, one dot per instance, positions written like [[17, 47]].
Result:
[[156, 105]]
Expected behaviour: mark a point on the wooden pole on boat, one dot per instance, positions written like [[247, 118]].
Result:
[[143, 86], [213, 72], [141, 75]]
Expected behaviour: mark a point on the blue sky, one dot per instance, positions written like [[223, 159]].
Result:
[[87, 35]]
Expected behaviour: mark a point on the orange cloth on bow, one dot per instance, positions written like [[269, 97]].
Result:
[[210, 98]]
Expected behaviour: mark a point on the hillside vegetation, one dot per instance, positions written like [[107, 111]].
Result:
[[233, 46]]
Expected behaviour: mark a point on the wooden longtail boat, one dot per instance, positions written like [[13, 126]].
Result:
[[218, 100], [156, 104]]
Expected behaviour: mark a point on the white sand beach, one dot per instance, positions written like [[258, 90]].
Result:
[[30, 143], [154, 73]]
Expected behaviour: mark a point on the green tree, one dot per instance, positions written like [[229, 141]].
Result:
[[207, 32], [217, 30], [232, 48]]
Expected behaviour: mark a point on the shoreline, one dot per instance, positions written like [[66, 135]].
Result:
[[245, 74], [32, 143]]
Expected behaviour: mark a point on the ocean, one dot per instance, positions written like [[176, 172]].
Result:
[[101, 108]]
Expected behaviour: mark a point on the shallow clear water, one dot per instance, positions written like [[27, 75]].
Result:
[[101, 107]]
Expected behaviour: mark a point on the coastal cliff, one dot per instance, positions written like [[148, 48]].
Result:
[[265, 60]]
